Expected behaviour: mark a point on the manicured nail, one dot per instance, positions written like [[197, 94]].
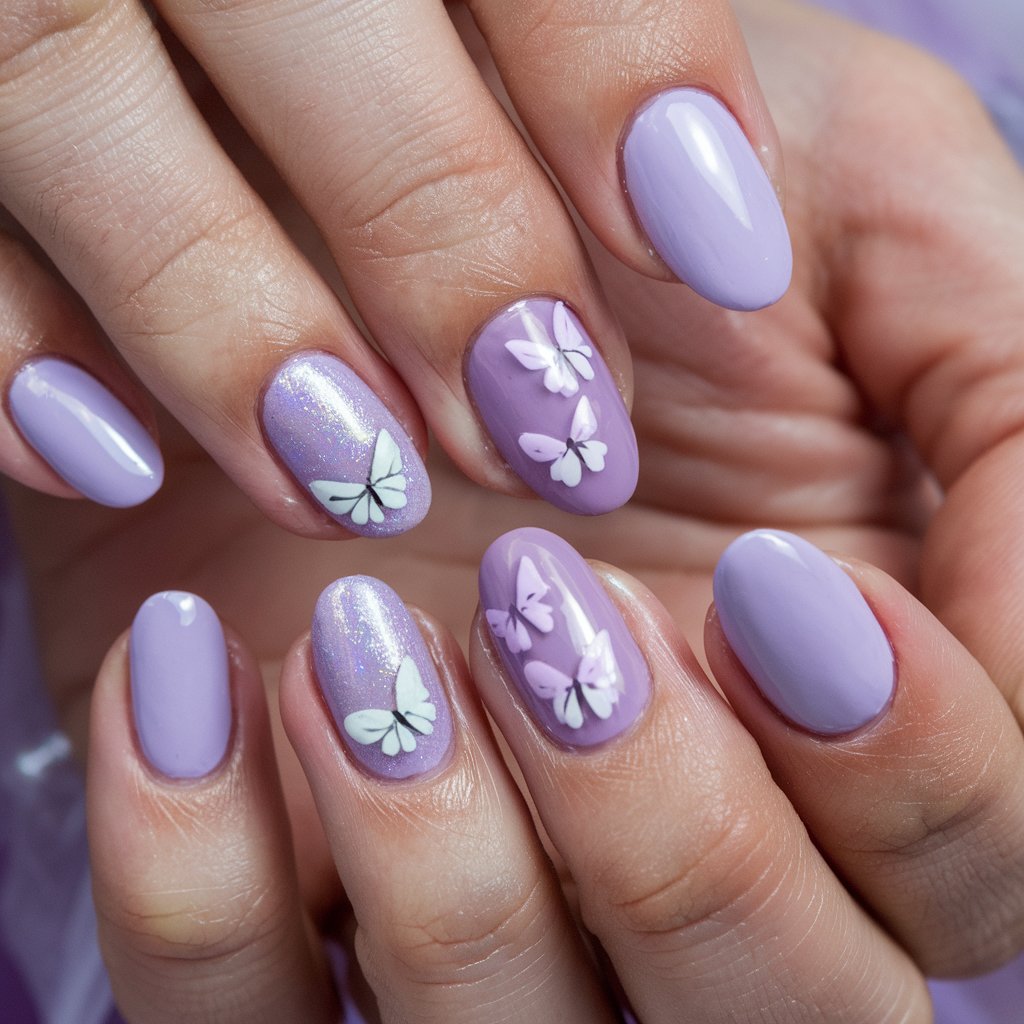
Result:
[[181, 694], [343, 446], [803, 632], [86, 434], [563, 643], [552, 408], [379, 680], [705, 201]]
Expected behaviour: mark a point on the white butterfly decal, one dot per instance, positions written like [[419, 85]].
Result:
[[527, 610], [560, 359], [595, 684], [568, 457], [384, 487], [412, 716]]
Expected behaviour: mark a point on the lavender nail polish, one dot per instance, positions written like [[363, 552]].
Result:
[[86, 434], [343, 446], [705, 201], [562, 641], [552, 408], [379, 680], [180, 682], [804, 632]]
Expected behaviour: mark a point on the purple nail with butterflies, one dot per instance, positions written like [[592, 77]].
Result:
[[551, 407], [379, 680], [561, 639], [344, 447]]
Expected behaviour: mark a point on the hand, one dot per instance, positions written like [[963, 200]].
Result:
[[744, 420], [446, 230]]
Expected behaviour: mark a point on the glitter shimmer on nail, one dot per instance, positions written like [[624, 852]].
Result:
[[379, 680], [344, 447]]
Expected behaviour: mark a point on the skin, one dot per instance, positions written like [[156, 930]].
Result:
[[901, 321]]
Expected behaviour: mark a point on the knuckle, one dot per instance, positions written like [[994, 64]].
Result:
[[694, 896], [495, 923], [28, 25]]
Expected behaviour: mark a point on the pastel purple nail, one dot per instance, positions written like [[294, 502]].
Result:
[[379, 680], [344, 447], [562, 641], [88, 436], [705, 201], [552, 408], [180, 682], [803, 632]]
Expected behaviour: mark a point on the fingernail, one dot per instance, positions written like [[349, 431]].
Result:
[[564, 645], [552, 408], [379, 680], [803, 632], [88, 437], [705, 201], [180, 681], [344, 447]]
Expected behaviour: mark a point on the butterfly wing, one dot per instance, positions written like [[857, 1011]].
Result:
[[584, 422], [368, 726], [530, 588], [601, 702], [499, 622], [592, 453], [413, 699], [392, 741], [386, 476], [406, 738], [546, 682], [575, 351], [598, 669], [567, 469], [542, 448], [338, 497], [568, 710], [539, 354]]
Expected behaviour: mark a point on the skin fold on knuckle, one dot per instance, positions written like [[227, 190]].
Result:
[[27, 27]]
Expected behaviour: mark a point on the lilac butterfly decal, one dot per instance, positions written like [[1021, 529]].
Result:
[[594, 685], [568, 457], [528, 610], [561, 359]]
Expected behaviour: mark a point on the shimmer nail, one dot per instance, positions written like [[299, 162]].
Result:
[[180, 682], [705, 201], [88, 436], [552, 408], [344, 447], [564, 645], [379, 680], [803, 632]]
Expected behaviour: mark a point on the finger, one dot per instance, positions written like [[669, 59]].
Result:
[[908, 773], [459, 911], [671, 87], [926, 300], [449, 235], [109, 166], [74, 422], [193, 874], [693, 869]]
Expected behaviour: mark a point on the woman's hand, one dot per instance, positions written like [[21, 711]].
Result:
[[445, 228], [893, 359]]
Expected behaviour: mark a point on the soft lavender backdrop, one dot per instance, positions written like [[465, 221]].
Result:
[[50, 971]]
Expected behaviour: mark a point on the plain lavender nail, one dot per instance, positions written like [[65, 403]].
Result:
[[181, 692], [562, 641], [804, 632], [86, 434], [706, 202], [342, 444], [379, 680], [552, 408]]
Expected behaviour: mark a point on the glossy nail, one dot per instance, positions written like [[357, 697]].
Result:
[[564, 645], [552, 408], [88, 436], [705, 201], [379, 680], [180, 682], [344, 447], [804, 632]]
